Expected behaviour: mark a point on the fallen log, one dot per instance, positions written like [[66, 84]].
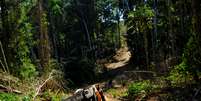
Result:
[[142, 72], [9, 89]]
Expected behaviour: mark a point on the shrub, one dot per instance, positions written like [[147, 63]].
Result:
[[117, 92], [180, 74], [27, 70], [140, 88], [8, 97], [81, 70], [26, 98]]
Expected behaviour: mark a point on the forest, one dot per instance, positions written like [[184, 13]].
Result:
[[125, 50]]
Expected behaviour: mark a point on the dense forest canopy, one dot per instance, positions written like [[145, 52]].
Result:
[[74, 39]]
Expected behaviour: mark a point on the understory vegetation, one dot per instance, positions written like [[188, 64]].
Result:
[[142, 49]]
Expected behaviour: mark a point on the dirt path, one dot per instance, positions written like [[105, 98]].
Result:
[[116, 68], [116, 73], [122, 74], [122, 57]]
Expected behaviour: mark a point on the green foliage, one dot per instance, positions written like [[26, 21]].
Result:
[[24, 40], [140, 20], [27, 70], [148, 14], [9, 97], [183, 72], [51, 96], [139, 25], [142, 11], [137, 88], [182, 68], [44, 21], [26, 98], [87, 67], [192, 54], [106, 7], [55, 6], [78, 69], [54, 64], [56, 98], [116, 92], [140, 88], [179, 75]]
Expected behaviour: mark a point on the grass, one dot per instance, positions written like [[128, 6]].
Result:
[[47, 96], [177, 86], [144, 88], [139, 88], [117, 92], [9, 97]]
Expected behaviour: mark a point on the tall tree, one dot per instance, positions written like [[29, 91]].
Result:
[[5, 34], [44, 47], [194, 47]]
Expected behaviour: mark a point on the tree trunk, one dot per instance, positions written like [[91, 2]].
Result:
[[196, 21], [118, 28], [154, 35], [44, 48], [146, 46], [4, 38]]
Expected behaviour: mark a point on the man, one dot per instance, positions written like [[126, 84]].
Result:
[[99, 93], [93, 93]]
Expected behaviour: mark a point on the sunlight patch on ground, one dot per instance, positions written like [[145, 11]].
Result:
[[122, 57]]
